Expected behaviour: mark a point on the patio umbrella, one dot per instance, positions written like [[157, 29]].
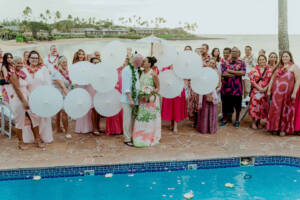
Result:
[[108, 104], [206, 82], [80, 72], [115, 53], [45, 101], [152, 40], [170, 85], [104, 77], [77, 103], [187, 65]]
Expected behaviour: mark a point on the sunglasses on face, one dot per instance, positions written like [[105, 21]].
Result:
[[34, 58], [9, 57]]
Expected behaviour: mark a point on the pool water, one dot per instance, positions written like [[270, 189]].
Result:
[[260, 182]]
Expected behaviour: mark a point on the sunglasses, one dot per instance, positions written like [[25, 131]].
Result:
[[34, 58]]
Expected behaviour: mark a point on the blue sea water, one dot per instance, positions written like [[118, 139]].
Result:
[[265, 182]]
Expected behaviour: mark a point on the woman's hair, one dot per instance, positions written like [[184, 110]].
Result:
[[188, 46], [152, 60], [273, 53], [5, 62], [213, 52], [289, 53], [35, 52], [93, 58], [261, 56], [61, 59], [76, 57]]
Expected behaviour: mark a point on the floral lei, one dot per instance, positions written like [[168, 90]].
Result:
[[133, 89], [19, 74], [34, 70], [65, 75], [54, 61]]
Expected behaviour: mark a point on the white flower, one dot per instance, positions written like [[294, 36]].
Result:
[[147, 90]]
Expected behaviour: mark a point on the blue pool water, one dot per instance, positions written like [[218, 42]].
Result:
[[260, 182]]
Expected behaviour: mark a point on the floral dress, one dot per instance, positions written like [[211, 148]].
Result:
[[258, 107], [147, 126]]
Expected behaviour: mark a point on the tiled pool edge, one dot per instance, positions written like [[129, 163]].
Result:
[[71, 171]]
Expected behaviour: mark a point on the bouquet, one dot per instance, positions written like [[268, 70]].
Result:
[[146, 93]]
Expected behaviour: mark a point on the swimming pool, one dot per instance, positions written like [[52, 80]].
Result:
[[269, 178]]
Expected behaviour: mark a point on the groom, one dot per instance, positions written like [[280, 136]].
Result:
[[129, 99]]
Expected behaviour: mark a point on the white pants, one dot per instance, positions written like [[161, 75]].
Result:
[[127, 122]]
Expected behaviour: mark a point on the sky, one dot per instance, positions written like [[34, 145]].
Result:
[[212, 16]]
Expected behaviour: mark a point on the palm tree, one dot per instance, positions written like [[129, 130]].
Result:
[[27, 12], [283, 36], [57, 15], [70, 17]]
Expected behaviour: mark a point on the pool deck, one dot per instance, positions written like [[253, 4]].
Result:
[[187, 144]]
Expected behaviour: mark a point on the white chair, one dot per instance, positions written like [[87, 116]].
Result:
[[6, 115]]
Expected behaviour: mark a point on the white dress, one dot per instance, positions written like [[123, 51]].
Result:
[[41, 77]]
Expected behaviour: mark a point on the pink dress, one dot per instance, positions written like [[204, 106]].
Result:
[[174, 109], [84, 124], [17, 107], [297, 109], [114, 125], [41, 77], [207, 121]]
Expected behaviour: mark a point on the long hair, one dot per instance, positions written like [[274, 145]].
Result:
[[76, 56], [40, 62], [5, 62], [273, 53], [291, 57], [213, 52]]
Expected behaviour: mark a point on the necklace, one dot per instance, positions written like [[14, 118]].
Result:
[[55, 59], [33, 70], [65, 73]]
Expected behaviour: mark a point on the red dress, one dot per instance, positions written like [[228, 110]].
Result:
[[174, 109], [282, 109], [114, 124], [297, 109], [258, 107]]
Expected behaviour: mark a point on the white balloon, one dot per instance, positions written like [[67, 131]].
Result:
[[165, 55], [77, 103], [45, 101], [108, 104], [206, 82], [115, 53], [104, 78], [171, 85], [80, 72], [187, 65]]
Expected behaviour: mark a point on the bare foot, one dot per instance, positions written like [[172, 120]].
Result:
[[22, 146], [282, 134], [40, 144], [254, 126]]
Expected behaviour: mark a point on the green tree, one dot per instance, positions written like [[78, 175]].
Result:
[[27, 13], [70, 17], [35, 27], [57, 15]]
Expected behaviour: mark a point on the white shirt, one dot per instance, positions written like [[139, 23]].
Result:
[[49, 65]]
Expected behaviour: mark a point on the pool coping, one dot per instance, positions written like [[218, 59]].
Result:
[[151, 166]]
